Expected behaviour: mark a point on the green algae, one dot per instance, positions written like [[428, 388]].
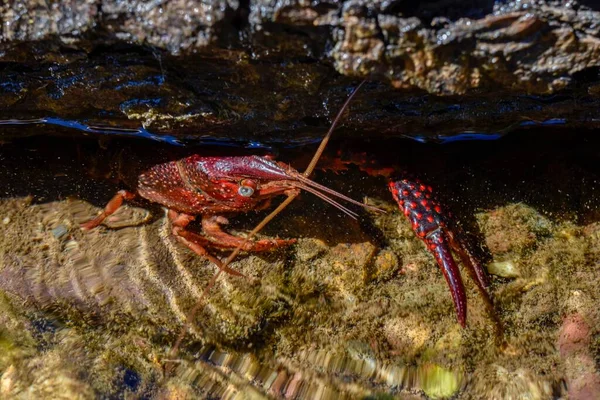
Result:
[[439, 383]]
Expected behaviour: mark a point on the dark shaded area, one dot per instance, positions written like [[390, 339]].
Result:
[[446, 9], [131, 380], [593, 4]]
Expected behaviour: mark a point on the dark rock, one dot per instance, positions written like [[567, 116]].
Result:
[[280, 70]]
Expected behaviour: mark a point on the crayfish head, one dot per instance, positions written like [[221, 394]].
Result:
[[245, 182], [235, 183]]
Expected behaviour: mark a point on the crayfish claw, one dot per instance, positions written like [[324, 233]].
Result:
[[417, 202], [437, 243], [470, 262]]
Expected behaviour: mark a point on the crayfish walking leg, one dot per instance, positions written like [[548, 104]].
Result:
[[193, 241], [211, 226], [113, 205]]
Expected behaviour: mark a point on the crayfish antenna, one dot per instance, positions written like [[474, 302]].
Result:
[[311, 186], [306, 174], [265, 221], [338, 117]]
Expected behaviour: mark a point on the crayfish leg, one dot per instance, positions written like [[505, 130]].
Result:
[[194, 241], [113, 205], [212, 228]]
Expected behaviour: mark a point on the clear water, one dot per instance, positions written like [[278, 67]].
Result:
[[355, 309]]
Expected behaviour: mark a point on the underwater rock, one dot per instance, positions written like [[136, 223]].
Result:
[[406, 335], [512, 230], [505, 269], [583, 378]]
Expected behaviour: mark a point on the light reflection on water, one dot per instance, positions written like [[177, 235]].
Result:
[[200, 140]]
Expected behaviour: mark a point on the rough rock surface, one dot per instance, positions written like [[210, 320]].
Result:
[[280, 69]]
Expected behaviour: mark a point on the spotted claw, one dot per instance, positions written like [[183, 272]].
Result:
[[417, 202]]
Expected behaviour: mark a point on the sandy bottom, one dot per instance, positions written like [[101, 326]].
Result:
[[353, 310]]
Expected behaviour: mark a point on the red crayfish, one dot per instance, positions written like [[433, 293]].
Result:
[[211, 186]]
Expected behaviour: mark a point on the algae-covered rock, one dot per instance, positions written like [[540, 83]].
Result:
[[513, 229]]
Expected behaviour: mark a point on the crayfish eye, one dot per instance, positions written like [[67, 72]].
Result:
[[247, 188], [245, 191]]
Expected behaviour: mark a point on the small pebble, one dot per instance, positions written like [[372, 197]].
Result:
[[71, 245], [505, 269], [59, 231], [6, 221], [7, 380], [386, 264]]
